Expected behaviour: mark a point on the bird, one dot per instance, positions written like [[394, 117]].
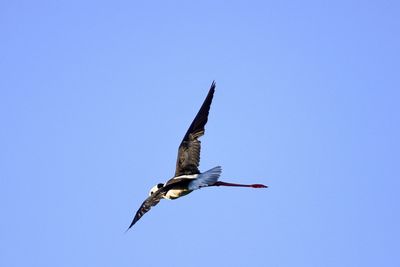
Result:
[[188, 177]]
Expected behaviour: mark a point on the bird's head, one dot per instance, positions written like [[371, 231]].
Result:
[[155, 188]]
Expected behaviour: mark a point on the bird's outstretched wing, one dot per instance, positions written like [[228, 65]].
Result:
[[151, 201], [189, 150], [155, 198]]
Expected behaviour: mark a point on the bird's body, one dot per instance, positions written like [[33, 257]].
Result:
[[187, 176], [180, 190]]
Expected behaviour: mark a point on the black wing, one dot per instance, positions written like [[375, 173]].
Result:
[[151, 201], [189, 149], [155, 198]]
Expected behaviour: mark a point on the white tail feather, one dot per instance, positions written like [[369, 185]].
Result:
[[206, 178]]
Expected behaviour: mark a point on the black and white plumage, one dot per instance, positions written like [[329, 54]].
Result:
[[187, 175]]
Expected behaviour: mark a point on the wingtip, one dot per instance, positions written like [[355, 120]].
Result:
[[130, 226], [127, 229], [213, 85]]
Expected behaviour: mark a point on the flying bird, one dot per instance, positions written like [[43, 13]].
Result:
[[187, 176]]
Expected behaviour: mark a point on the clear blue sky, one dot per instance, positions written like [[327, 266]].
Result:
[[95, 97]]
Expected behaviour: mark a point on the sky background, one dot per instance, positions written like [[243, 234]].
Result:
[[95, 97]]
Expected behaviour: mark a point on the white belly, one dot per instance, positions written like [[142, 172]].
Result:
[[176, 193]]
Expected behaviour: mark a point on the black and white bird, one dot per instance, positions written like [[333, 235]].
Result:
[[187, 176]]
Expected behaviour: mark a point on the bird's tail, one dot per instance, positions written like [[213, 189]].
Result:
[[206, 178]]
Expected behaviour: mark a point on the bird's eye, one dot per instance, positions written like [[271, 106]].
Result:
[[151, 193]]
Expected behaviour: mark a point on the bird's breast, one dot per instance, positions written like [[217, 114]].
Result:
[[176, 193]]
